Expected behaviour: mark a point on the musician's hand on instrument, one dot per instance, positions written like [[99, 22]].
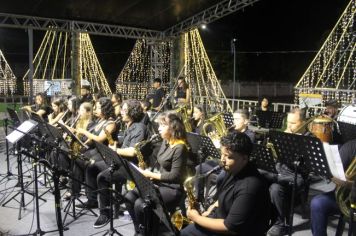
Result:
[[114, 146], [192, 213], [210, 209], [342, 183]]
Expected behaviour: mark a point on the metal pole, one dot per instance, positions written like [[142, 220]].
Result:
[[30, 62], [233, 46]]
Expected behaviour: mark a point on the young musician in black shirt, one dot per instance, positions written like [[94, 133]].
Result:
[[243, 201]]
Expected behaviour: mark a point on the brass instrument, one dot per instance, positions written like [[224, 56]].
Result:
[[270, 146], [217, 122], [177, 219], [183, 111], [342, 193], [109, 137]]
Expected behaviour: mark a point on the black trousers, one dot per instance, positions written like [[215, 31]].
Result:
[[135, 204]]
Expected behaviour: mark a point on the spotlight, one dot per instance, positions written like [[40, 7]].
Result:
[[203, 26]]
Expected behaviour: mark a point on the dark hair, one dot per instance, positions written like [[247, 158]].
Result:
[[157, 80], [332, 103], [185, 85], [300, 112], [134, 110], [87, 87], [43, 96], [99, 95], [237, 142], [75, 104], [117, 96], [107, 108], [61, 105], [244, 113], [175, 125], [147, 104]]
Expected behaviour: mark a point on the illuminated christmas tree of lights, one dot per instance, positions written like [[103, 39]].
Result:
[[7, 77], [332, 72], [52, 62]]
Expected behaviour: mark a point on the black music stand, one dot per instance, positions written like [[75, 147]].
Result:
[[145, 188], [305, 154], [202, 147], [70, 208], [15, 122], [270, 119], [348, 131], [228, 119], [263, 158]]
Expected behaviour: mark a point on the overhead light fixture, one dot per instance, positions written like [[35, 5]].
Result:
[[203, 25]]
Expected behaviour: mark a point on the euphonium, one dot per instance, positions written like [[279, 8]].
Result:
[[342, 193], [177, 219], [217, 122], [183, 111]]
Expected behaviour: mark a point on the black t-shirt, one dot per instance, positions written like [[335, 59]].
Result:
[[348, 153], [137, 132], [157, 97], [244, 202]]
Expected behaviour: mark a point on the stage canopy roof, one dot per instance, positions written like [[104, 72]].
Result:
[[157, 17]]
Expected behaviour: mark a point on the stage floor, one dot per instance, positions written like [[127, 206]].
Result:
[[83, 226]]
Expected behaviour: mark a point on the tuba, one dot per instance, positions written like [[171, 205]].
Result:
[[177, 219], [183, 111], [216, 122], [342, 193]]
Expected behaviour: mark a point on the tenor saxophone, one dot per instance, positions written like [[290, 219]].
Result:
[[141, 162]]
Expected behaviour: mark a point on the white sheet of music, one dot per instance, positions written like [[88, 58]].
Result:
[[334, 161], [23, 129]]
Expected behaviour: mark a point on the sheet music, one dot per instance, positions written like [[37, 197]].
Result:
[[334, 161], [23, 129]]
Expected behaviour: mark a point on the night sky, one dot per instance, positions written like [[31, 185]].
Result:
[[276, 41]]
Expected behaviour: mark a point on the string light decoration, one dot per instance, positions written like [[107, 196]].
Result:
[[148, 60], [7, 77], [52, 63], [332, 71], [200, 74]]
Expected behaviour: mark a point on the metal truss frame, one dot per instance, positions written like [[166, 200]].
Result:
[[209, 15], [41, 23]]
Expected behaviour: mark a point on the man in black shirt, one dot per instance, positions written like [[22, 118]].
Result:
[[158, 94], [243, 201]]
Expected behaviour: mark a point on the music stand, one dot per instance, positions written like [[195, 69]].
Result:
[[270, 119], [144, 186], [228, 119], [304, 153], [347, 130], [263, 158]]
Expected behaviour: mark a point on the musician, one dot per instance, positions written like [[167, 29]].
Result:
[[73, 107], [158, 94], [98, 175], [85, 93], [172, 158], [264, 105], [243, 201], [104, 126], [116, 99], [59, 108], [198, 119], [84, 121], [324, 205], [331, 110], [280, 188], [182, 94], [40, 107]]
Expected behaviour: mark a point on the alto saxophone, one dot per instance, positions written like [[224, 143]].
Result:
[[109, 137], [140, 158], [177, 218]]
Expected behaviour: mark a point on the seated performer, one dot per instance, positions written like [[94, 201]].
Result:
[[324, 205], [85, 92], [116, 100], [59, 109], [40, 107], [280, 188], [73, 107], [331, 110], [172, 158], [98, 174], [243, 203]]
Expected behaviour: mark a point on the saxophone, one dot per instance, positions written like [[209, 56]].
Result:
[[177, 219], [109, 137]]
